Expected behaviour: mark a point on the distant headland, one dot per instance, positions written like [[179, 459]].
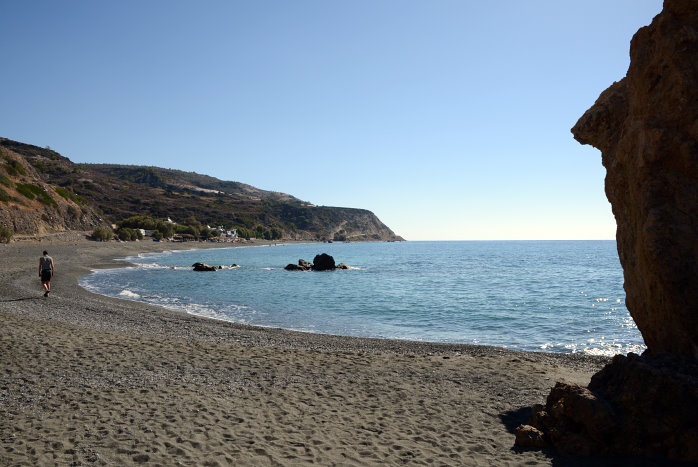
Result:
[[43, 192]]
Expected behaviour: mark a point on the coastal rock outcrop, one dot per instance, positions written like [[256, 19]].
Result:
[[646, 126], [321, 262], [203, 267], [636, 406]]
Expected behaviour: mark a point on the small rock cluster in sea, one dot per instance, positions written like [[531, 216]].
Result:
[[205, 267], [323, 262]]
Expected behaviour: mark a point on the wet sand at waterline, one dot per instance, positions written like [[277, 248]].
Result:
[[95, 380]]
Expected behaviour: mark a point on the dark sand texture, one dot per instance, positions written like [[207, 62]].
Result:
[[87, 379]]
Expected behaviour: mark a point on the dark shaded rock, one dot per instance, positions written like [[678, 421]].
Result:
[[636, 406], [323, 262], [645, 126], [528, 436], [203, 267], [573, 421]]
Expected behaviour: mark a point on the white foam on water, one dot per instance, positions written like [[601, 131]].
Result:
[[496, 316], [605, 348], [152, 266], [129, 294]]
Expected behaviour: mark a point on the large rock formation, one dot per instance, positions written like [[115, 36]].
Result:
[[636, 406], [646, 127]]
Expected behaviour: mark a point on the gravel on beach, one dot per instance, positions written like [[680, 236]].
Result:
[[88, 379]]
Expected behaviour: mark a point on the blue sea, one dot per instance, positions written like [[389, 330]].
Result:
[[551, 296]]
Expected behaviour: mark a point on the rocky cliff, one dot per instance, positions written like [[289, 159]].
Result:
[[31, 206], [646, 127]]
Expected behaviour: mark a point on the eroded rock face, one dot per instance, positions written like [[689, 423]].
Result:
[[646, 127], [636, 406], [39, 212]]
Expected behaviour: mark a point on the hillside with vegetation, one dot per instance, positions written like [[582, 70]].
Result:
[[106, 194]]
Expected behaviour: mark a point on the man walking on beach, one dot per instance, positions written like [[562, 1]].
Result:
[[46, 272]]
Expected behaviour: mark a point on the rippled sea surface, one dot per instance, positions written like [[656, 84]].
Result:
[[552, 296]]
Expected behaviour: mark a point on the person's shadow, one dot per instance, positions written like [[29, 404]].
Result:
[[19, 299]]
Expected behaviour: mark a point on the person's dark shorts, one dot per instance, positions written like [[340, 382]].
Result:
[[45, 275]]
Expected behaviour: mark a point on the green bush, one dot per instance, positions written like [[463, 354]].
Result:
[[33, 191], [13, 167], [6, 181], [166, 229], [267, 234], [208, 233], [26, 190], [244, 232], [67, 194], [192, 222], [124, 233], [187, 229], [139, 222], [5, 234], [4, 197], [101, 234], [127, 234], [40, 165], [157, 235]]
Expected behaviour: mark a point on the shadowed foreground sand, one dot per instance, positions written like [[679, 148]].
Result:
[[87, 379]]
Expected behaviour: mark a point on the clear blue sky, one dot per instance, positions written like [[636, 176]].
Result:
[[448, 119]]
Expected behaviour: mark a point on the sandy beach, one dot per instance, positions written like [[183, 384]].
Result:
[[91, 380]]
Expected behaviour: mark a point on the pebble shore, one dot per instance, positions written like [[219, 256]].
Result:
[[91, 380]]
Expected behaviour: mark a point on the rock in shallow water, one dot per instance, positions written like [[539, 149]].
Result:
[[203, 267], [321, 262]]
